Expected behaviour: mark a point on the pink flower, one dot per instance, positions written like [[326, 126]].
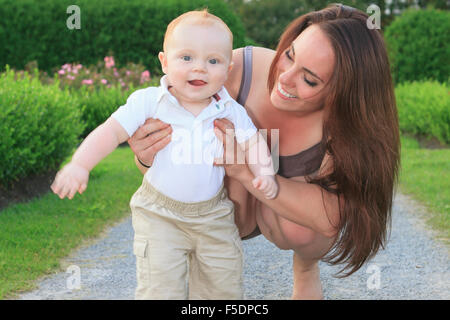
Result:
[[70, 77], [128, 72], [104, 81], [66, 67], [116, 74], [109, 62], [61, 72], [145, 76], [78, 66], [87, 81]]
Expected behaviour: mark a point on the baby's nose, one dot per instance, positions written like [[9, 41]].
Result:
[[199, 66]]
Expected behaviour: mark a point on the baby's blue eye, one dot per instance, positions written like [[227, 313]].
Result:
[[186, 58], [213, 61]]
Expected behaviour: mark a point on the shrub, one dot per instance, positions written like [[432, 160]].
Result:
[[418, 44], [99, 89], [96, 105], [130, 30], [424, 109], [103, 75], [39, 125]]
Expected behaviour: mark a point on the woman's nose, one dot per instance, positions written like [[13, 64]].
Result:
[[287, 78]]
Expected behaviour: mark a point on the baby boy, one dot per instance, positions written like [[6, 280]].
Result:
[[182, 218]]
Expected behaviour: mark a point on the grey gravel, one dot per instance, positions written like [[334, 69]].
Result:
[[414, 265]]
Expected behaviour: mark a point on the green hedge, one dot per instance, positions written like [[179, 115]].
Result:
[[97, 105], [419, 45], [39, 126], [424, 109], [131, 30]]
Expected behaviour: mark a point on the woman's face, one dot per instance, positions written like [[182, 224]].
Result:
[[303, 71]]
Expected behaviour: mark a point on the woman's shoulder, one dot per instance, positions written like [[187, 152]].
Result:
[[261, 57], [234, 77], [262, 60], [263, 53]]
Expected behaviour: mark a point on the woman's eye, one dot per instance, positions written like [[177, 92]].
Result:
[[213, 61], [186, 58], [288, 54], [311, 84]]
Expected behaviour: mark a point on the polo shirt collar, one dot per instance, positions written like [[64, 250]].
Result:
[[163, 88], [223, 96]]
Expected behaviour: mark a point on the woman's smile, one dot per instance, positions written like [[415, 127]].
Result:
[[283, 94]]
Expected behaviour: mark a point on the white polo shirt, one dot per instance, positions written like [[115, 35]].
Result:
[[183, 170]]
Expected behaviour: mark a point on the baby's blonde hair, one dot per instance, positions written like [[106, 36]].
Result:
[[196, 17]]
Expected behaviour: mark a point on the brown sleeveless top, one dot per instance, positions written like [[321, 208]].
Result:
[[301, 164]]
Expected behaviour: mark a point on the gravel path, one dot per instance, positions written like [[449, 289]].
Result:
[[413, 266]]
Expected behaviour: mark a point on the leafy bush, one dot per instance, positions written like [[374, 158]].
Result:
[[418, 43], [424, 109], [131, 30], [39, 126], [97, 105], [103, 75], [102, 89], [99, 89]]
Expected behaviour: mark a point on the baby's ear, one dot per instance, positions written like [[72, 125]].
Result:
[[163, 60]]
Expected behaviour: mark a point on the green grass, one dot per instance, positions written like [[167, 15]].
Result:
[[425, 175], [34, 236]]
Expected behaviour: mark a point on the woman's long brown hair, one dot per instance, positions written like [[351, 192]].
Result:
[[360, 131]]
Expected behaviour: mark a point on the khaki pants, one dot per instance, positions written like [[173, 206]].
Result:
[[170, 233]]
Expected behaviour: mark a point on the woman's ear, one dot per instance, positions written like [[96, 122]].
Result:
[[163, 60]]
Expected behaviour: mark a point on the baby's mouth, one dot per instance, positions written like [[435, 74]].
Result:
[[197, 82]]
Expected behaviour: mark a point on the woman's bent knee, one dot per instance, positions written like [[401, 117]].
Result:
[[305, 241]]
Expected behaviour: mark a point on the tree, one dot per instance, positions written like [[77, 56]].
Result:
[[265, 20]]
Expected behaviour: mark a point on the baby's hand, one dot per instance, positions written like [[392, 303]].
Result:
[[69, 180], [267, 185]]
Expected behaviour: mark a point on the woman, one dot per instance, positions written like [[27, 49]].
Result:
[[328, 90]]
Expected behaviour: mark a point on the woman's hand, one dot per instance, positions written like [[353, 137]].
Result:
[[233, 160], [149, 139]]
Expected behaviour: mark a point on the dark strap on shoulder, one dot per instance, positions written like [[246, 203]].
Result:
[[246, 80]]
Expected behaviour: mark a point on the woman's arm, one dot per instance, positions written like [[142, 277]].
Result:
[[140, 166], [300, 202]]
